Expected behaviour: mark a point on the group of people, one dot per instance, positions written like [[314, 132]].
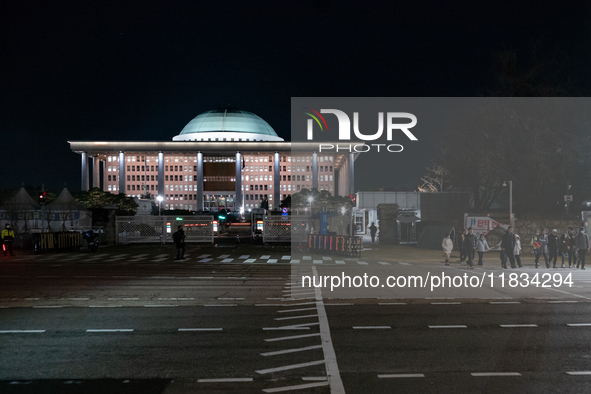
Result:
[[570, 244]]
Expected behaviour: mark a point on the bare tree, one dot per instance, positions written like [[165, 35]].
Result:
[[435, 180]]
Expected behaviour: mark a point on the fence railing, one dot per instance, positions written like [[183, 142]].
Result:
[[153, 229], [336, 245]]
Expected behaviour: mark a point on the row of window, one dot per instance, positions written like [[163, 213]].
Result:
[[194, 168], [218, 159]]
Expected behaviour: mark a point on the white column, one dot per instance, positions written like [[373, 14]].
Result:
[[238, 197], [351, 173], [314, 170], [122, 173], [199, 181], [161, 174], [96, 171], [276, 182], [84, 183]]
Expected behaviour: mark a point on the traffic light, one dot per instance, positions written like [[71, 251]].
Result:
[[353, 200], [42, 196]]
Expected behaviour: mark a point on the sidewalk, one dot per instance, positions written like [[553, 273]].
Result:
[[413, 254]]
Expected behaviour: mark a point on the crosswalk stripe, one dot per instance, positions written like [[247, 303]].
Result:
[[244, 257], [326, 258], [383, 263], [307, 258], [339, 262], [317, 261], [203, 256], [224, 256], [204, 260], [361, 263], [294, 262], [286, 258], [249, 261], [265, 257], [227, 260], [271, 261]]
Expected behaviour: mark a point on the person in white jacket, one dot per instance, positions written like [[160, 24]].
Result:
[[481, 247], [517, 250], [447, 245]]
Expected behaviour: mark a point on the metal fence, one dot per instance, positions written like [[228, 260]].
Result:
[[147, 229], [276, 229]]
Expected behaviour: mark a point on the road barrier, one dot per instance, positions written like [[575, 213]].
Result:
[[336, 245], [63, 241]]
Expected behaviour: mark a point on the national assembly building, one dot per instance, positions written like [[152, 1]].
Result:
[[222, 159]]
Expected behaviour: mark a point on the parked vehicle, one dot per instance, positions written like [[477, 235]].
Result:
[[92, 240]]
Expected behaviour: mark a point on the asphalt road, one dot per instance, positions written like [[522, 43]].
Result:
[[235, 319]]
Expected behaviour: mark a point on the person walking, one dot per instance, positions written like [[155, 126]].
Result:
[[447, 245], [582, 246], [470, 246], [7, 239], [572, 250], [460, 243], [542, 241], [563, 247], [553, 243], [481, 247], [508, 246], [517, 250], [179, 240], [373, 231]]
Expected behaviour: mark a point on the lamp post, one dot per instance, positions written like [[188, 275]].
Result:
[[310, 199], [160, 199]]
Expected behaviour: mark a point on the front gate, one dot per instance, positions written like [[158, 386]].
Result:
[[153, 229]]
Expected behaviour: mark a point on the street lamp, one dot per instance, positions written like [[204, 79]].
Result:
[[510, 201], [160, 199]]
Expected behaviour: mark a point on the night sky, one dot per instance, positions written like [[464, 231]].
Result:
[[98, 70]]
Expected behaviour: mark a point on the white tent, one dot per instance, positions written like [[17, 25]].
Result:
[[21, 212], [65, 213]]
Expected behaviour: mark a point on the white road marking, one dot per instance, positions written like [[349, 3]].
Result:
[[223, 256], [111, 330], [203, 256], [579, 325], [168, 254], [317, 262], [78, 299], [371, 327], [204, 260], [286, 258], [227, 260], [271, 261], [362, 263], [332, 368], [445, 303], [504, 302], [285, 328], [297, 387], [286, 351], [47, 306], [104, 306], [244, 257], [339, 262], [225, 380], [201, 277], [221, 305], [295, 317], [160, 306], [383, 263], [292, 337], [24, 331], [307, 257], [230, 298], [297, 310], [495, 374], [322, 378], [326, 258], [294, 262], [288, 367], [265, 257], [401, 375], [249, 261], [562, 302], [200, 329], [449, 326], [579, 373], [392, 303], [518, 325]]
